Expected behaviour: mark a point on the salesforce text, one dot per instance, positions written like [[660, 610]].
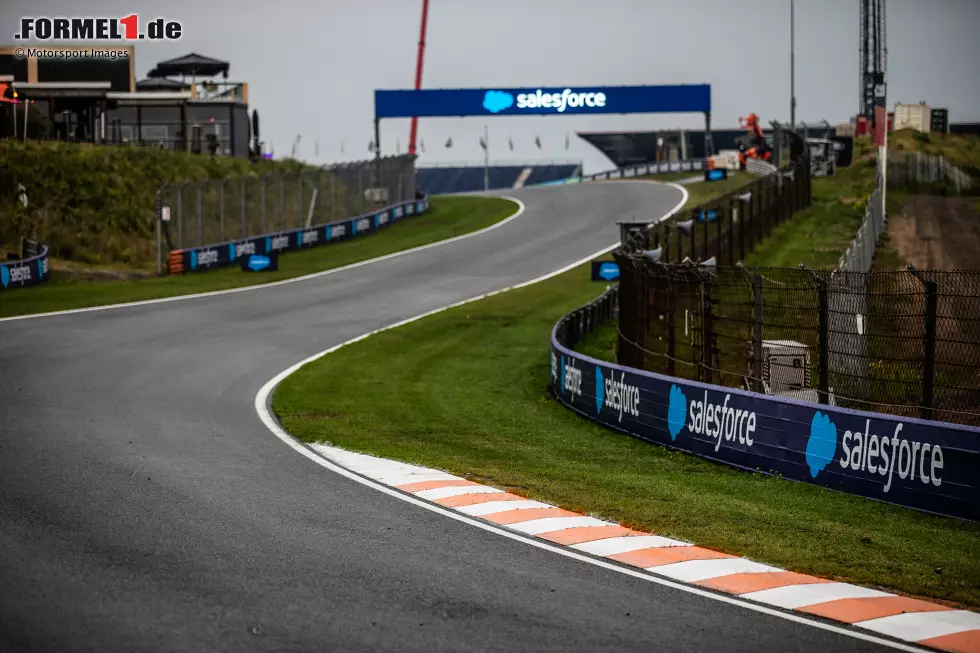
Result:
[[716, 420], [573, 379], [561, 100], [622, 396], [864, 455]]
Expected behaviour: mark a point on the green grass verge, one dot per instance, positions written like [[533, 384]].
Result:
[[95, 205], [702, 192], [467, 391], [447, 217]]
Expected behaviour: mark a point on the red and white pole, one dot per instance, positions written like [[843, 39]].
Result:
[[418, 73]]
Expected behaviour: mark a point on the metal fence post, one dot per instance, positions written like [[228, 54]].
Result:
[[929, 370], [159, 220], [198, 210], [180, 215], [221, 207], [707, 328], [823, 340], [244, 221], [704, 237], [299, 201], [731, 230], [262, 203], [757, 318], [282, 201]]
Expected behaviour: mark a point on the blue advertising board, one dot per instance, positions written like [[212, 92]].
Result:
[[24, 272], [605, 270], [223, 254], [558, 100], [916, 463]]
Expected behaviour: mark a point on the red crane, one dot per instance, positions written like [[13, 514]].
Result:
[[418, 73], [753, 145]]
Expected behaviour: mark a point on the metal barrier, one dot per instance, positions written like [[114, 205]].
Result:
[[906, 461], [210, 211], [913, 170], [228, 253], [29, 270]]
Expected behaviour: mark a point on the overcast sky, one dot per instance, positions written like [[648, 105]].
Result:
[[312, 66]]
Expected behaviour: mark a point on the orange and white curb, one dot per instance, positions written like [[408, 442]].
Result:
[[907, 619]]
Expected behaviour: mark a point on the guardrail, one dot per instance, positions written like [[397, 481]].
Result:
[[915, 463], [663, 167], [227, 253], [26, 271]]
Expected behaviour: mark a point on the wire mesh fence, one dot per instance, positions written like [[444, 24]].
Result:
[[902, 342], [213, 211], [920, 172], [727, 228], [859, 255]]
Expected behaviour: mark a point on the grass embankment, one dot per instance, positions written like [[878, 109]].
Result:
[[467, 391], [447, 217], [961, 150], [96, 205]]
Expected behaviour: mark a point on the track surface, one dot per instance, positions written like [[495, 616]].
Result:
[[144, 506]]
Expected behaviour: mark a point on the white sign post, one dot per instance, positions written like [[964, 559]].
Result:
[[165, 213]]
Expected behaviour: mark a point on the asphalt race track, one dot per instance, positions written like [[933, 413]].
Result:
[[145, 507]]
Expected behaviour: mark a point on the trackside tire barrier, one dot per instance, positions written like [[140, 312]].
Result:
[[25, 272], [218, 255], [927, 465]]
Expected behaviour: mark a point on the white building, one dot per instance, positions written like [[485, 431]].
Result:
[[913, 116]]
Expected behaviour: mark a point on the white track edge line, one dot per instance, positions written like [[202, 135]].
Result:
[[263, 399], [213, 293]]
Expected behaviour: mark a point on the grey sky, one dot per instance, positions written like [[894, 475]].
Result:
[[312, 66]]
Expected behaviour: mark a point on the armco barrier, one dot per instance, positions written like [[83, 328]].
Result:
[[223, 254], [664, 167], [25, 272], [931, 466]]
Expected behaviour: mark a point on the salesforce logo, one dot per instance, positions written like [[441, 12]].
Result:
[[867, 453], [497, 101], [617, 395], [822, 444], [676, 411], [571, 378], [4, 275], [717, 421]]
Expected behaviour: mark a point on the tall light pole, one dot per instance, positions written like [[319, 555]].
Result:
[[792, 64]]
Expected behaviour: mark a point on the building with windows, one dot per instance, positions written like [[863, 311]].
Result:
[[93, 97]]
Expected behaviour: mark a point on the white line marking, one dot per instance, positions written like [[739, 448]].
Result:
[[691, 571], [446, 492], [916, 626], [314, 275], [549, 524], [261, 405], [797, 596], [491, 507]]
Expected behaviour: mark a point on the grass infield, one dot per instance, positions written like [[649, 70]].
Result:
[[466, 391]]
